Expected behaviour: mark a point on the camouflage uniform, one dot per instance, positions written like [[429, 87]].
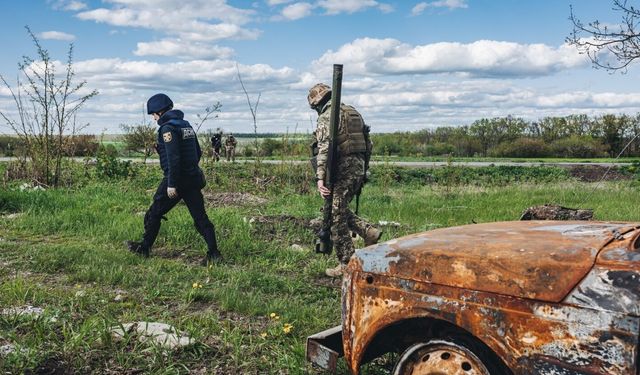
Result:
[[230, 147], [348, 181]]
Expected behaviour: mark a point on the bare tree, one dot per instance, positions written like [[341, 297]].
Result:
[[600, 42], [254, 112], [208, 112], [45, 108]]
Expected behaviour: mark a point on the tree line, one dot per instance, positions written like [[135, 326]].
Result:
[[578, 136]]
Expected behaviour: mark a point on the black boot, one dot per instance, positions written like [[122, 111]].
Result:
[[212, 257], [137, 248]]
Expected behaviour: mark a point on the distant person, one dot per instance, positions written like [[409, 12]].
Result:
[[216, 144], [179, 153], [230, 147], [353, 147]]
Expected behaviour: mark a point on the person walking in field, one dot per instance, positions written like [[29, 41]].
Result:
[[179, 153], [353, 147], [216, 145], [230, 147]]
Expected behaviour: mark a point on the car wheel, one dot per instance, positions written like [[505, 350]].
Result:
[[439, 357]]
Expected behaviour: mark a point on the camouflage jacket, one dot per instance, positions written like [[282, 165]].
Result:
[[322, 137], [231, 141]]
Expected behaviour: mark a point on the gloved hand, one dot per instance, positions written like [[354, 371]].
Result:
[[172, 192]]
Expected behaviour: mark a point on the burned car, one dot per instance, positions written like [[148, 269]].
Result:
[[528, 297]]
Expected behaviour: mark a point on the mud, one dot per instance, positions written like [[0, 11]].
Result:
[[233, 199], [278, 227], [594, 173], [327, 282]]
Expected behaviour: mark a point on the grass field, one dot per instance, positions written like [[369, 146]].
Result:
[[62, 250]]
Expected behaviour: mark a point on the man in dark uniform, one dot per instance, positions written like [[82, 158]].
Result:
[[179, 153], [216, 144]]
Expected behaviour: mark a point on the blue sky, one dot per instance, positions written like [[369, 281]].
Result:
[[407, 64]]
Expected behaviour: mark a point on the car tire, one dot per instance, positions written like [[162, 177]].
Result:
[[444, 357]]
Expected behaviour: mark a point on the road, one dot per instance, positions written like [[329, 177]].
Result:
[[411, 164]]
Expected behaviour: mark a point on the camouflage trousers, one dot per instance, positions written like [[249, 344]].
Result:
[[348, 181]]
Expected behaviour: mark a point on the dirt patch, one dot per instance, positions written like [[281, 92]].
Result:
[[233, 199], [278, 227], [328, 282], [594, 173], [51, 366]]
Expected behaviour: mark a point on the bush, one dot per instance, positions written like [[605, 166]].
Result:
[[522, 148], [11, 146], [108, 166], [271, 147], [438, 148], [578, 147], [80, 145]]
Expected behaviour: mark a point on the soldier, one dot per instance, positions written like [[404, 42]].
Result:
[[216, 144], [179, 153], [352, 149], [230, 146]]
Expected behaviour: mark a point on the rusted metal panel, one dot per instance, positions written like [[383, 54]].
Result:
[[541, 260], [528, 290], [520, 331], [607, 289], [324, 348]]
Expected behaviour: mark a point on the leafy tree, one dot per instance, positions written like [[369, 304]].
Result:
[[139, 138]]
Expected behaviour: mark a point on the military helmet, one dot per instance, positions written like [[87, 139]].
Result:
[[317, 93], [159, 103]]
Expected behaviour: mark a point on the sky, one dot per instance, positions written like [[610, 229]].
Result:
[[408, 65]]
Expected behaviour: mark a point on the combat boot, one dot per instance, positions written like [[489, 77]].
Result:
[[335, 272], [137, 248], [372, 235], [211, 257]]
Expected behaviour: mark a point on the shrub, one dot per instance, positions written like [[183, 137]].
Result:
[[438, 148], [80, 145], [578, 147], [521, 147], [108, 166], [11, 146]]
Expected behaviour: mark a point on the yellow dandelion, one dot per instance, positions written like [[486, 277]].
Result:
[[263, 335], [287, 328], [272, 315], [195, 285]]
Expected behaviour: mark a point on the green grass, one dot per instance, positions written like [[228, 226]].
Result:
[[70, 240]]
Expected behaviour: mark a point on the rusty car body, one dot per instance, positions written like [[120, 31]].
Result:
[[527, 297]]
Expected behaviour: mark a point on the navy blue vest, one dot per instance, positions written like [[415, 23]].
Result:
[[178, 148]]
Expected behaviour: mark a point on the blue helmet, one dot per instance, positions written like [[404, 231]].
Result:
[[159, 103]]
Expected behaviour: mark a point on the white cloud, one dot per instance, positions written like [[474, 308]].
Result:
[[418, 9], [183, 49], [190, 76], [70, 5], [197, 20], [56, 35], [385, 8], [75, 6], [278, 2], [297, 11], [350, 6], [480, 58], [449, 4]]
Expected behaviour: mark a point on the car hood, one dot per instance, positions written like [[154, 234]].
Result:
[[541, 260]]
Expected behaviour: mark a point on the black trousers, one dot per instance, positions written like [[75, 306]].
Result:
[[162, 204]]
